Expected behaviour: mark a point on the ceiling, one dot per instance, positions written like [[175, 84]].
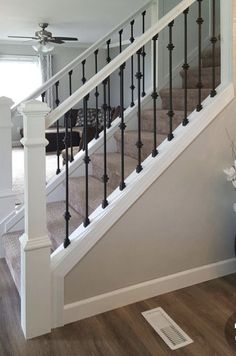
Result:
[[86, 19]]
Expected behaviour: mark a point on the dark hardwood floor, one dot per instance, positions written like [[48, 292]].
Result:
[[204, 312]]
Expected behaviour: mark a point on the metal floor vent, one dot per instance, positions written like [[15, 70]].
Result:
[[167, 329]]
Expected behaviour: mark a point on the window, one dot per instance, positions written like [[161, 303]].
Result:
[[19, 76]]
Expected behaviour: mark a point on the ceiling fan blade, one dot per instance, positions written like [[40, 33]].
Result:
[[32, 38], [55, 40], [66, 38]]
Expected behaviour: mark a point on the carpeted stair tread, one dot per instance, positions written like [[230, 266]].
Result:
[[130, 140], [11, 245], [207, 56], [192, 78], [113, 167], [162, 120], [56, 222], [178, 98], [77, 194]]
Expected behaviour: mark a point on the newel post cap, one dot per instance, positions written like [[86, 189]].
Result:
[[34, 107]]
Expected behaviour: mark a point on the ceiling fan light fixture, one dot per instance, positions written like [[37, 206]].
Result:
[[43, 48]]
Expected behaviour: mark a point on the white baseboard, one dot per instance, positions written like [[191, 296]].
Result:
[[121, 297]]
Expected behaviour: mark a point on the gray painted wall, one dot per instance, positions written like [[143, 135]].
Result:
[[184, 220]]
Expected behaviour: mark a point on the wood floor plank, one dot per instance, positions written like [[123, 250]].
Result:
[[202, 311]]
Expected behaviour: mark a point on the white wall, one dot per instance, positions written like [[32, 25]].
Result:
[[184, 220]]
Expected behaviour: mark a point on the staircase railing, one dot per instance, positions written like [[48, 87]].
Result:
[[103, 76], [136, 51]]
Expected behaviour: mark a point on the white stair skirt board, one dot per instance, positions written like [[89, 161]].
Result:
[[138, 292], [167, 329]]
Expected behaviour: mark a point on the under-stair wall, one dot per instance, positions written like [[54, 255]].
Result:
[[183, 222]]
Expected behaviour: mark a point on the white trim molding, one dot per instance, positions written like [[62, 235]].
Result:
[[138, 292]]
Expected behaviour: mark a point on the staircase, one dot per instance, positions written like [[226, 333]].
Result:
[[91, 180], [77, 185]]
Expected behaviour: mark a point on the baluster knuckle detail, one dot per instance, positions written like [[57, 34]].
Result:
[[86, 159], [138, 75], [199, 20], [122, 126], [154, 95], [185, 66], [170, 47]]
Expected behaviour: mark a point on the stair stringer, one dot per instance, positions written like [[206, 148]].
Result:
[[83, 239]]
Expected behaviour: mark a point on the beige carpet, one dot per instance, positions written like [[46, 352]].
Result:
[[18, 171]]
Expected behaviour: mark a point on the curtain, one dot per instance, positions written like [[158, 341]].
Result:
[[45, 62]]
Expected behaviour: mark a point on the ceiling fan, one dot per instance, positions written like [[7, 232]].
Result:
[[45, 39]]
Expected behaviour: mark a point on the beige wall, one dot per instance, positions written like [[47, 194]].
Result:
[[184, 220]]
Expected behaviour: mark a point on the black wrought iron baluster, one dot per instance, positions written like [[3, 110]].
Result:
[[213, 41], [67, 214], [108, 88], [154, 96], [143, 53], [120, 40], [170, 112], [43, 96], [122, 127], [96, 95], [199, 84], [83, 72], [57, 101], [71, 129], [86, 160], [139, 143], [185, 67], [105, 177], [132, 87]]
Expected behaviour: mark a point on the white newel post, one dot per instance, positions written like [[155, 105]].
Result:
[[35, 243], [7, 197]]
